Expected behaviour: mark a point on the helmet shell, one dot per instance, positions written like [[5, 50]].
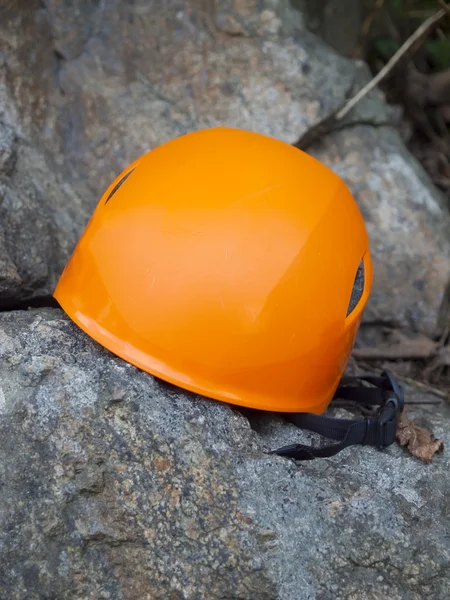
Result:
[[224, 261]]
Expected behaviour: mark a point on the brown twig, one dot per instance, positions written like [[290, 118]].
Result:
[[400, 347], [418, 14], [397, 352], [329, 123], [365, 29], [445, 6], [423, 387], [445, 337], [420, 33], [390, 25], [323, 126]]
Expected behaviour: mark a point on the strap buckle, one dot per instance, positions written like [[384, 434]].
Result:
[[386, 424], [379, 431]]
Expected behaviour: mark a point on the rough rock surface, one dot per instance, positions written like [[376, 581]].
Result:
[[106, 81], [40, 215], [337, 22], [114, 485], [408, 225]]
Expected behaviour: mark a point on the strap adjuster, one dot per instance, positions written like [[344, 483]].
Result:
[[386, 424], [379, 431]]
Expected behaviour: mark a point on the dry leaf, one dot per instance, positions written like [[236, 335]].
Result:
[[419, 441]]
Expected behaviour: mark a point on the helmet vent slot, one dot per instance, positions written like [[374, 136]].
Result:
[[117, 186], [358, 289]]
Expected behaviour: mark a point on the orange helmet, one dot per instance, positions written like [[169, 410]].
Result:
[[230, 264]]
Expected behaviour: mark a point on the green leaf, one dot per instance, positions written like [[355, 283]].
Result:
[[386, 47], [439, 52]]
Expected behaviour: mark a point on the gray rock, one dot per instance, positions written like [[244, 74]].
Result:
[[41, 218], [98, 84], [337, 22], [115, 485], [407, 222]]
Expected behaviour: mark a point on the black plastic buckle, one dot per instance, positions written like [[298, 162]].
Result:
[[387, 422], [394, 386]]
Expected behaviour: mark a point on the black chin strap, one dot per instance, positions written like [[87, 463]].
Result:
[[379, 431]]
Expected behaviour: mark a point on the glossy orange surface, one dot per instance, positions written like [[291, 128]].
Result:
[[225, 264]]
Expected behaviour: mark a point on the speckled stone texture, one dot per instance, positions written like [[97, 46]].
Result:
[[114, 485], [99, 83], [41, 217], [408, 225]]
